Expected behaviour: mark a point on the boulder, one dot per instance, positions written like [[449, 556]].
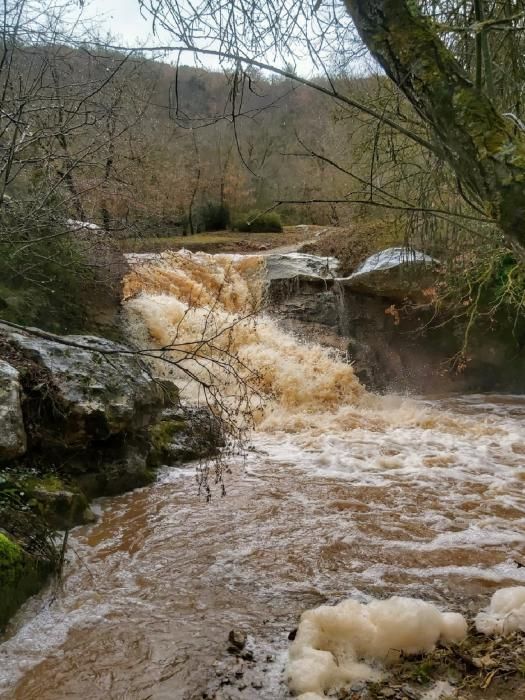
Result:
[[287, 266], [97, 422], [92, 388], [185, 433], [395, 273], [61, 505], [13, 441], [114, 466]]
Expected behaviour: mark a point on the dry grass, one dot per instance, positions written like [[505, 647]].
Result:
[[353, 244], [221, 241], [350, 244]]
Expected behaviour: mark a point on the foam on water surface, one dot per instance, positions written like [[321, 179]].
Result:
[[338, 644], [505, 613]]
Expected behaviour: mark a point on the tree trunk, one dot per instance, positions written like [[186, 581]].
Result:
[[480, 145]]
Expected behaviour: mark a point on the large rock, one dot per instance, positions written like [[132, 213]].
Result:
[[293, 275], [97, 424], [21, 575], [395, 273], [12, 433], [185, 433], [89, 388], [393, 346], [286, 266]]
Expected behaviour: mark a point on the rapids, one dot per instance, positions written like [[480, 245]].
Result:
[[339, 494]]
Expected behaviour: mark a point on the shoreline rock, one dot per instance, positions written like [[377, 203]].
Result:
[[380, 320], [82, 417], [21, 575], [13, 440]]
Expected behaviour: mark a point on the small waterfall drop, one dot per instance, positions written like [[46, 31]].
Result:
[[209, 311]]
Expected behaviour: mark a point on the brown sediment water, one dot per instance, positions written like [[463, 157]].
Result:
[[340, 494]]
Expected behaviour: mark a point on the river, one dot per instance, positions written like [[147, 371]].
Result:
[[354, 496]]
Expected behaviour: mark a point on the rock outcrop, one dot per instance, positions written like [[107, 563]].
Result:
[[21, 575], [183, 434], [13, 441], [92, 406], [286, 266], [395, 273], [80, 417], [96, 387], [392, 348]]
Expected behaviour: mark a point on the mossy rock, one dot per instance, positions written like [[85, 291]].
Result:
[[112, 467], [60, 504], [56, 503], [183, 435], [21, 575], [163, 435]]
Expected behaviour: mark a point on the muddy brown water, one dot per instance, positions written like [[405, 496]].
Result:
[[342, 494], [152, 589]]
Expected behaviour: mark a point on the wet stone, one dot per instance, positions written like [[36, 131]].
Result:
[[358, 687], [12, 432], [237, 639]]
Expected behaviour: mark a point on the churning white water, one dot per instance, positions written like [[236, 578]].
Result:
[[341, 495]]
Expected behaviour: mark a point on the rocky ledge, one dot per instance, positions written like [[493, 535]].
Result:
[[80, 417], [380, 320]]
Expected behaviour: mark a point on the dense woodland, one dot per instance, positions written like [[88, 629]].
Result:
[[148, 150]]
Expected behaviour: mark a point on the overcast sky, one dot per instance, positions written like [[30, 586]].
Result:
[[122, 19]]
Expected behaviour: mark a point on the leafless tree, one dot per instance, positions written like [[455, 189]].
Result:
[[454, 113]]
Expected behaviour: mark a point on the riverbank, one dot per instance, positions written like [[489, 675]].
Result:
[[223, 241], [82, 417], [339, 493]]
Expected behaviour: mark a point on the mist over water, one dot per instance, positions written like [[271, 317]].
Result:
[[342, 493]]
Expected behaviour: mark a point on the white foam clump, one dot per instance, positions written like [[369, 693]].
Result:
[[505, 613], [336, 645]]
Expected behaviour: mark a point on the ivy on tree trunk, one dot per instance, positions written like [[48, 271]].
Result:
[[484, 148]]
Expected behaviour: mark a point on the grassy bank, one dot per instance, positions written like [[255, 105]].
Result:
[[221, 241]]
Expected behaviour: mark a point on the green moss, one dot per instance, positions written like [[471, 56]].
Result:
[[11, 560], [61, 505], [490, 133], [20, 577], [161, 436], [162, 433], [49, 482]]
